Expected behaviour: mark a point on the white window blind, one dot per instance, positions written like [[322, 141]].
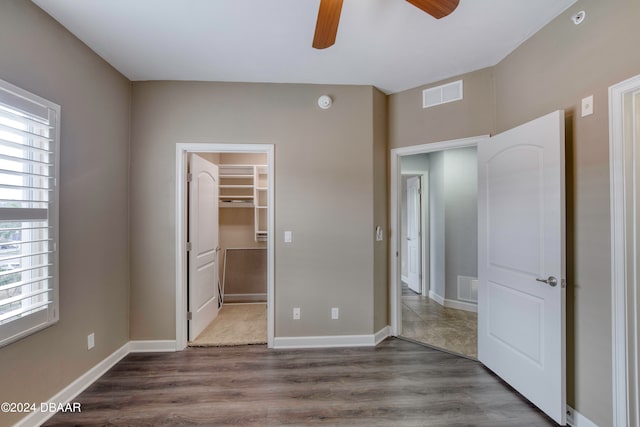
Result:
[[29, 169]]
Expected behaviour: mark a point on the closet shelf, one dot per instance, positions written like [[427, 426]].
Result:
[[236, 204], [225, 176], [246, 186]]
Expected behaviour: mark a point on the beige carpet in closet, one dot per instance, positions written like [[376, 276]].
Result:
[[236, 324]]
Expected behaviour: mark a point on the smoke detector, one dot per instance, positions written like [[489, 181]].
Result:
[[325, 102], [579, 17]]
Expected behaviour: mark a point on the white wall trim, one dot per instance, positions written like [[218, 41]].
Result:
[[242, 298], [152, 346], [330, 341], [576, 419], [437, 298], [395, 288], [71, 391], [623, 276], [181, 230], [382, 335], [461, 305]]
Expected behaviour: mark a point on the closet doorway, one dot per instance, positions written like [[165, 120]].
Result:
[[224, 293]]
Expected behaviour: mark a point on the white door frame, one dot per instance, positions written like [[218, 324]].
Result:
[[623, 248], [425, 249], [395, 288], [181, 230]]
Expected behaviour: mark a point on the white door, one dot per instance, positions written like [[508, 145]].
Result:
[[413, 234], [521, 261], [203, 236]]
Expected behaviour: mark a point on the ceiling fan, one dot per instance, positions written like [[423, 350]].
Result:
[[329, 17]]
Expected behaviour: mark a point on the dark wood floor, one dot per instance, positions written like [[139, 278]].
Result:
[[397, 383]]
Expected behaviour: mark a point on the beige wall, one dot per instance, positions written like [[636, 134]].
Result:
[[410, 124], [44, 58], [324, 165], [553, 70], [243, 158]]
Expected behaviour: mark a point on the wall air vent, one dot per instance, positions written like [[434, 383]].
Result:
[[442, 94], [468, 289]]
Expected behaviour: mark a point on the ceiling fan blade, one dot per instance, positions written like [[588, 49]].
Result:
[[327, 23], [436, 8]]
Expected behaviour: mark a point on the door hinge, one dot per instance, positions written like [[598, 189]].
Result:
[[189, 177], [188, 246], [189, 315]]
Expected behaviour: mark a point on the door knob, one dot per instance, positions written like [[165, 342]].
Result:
[[551, 281]]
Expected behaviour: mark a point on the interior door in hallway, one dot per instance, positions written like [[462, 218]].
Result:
[[203, 239], [521, 260], [414, 265]]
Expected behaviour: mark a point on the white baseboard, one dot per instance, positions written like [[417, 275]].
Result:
[[461, 305], [404, 279], [152, 346], [331, 341], [232, 298], [71, 391], [437, 298], [382, 335], [576, 419]]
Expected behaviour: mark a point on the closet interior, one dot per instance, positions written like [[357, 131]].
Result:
[[242, 221]]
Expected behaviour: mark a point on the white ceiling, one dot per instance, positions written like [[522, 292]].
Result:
[[389, 44]]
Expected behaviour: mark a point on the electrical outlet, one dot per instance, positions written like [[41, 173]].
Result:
[[296, 313], [335, 313], [90, 341]]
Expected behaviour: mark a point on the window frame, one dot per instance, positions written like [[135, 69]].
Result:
[[28, 324]]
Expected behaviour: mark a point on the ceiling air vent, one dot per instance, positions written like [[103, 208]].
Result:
[[442, 94]]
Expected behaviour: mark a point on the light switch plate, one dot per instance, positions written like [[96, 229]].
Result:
[[587, 106], [335, 313], [379, 234], [288, 237], [296, 313]]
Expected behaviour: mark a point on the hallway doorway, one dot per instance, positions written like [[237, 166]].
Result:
[[442, 311]]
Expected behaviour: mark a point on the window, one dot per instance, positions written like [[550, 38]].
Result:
[[29, 169]]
